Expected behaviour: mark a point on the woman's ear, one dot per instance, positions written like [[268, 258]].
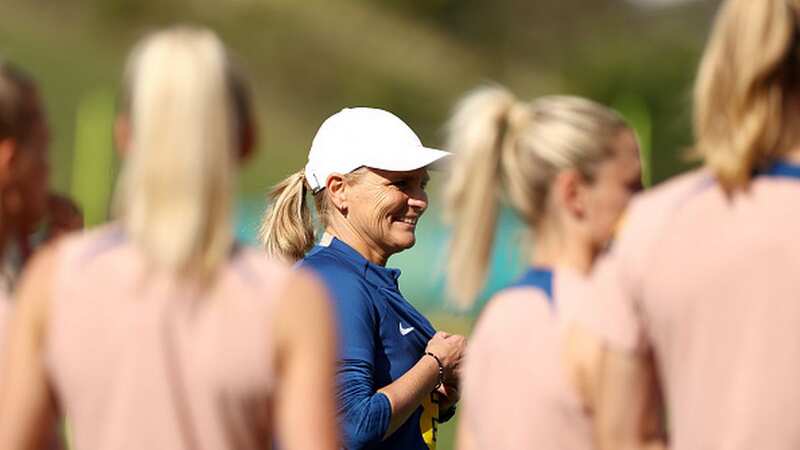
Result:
[[122, 135], [337, 192], [570, 192]]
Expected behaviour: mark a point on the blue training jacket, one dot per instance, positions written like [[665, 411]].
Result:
[[381, 337]]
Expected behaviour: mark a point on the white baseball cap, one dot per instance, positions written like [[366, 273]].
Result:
[[356, 137]]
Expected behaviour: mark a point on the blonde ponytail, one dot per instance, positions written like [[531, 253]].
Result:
[[508, 150], [476, 134], [175, 191], [746, 89], [286, 230]]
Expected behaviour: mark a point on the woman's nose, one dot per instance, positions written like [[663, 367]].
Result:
[[418, 200]]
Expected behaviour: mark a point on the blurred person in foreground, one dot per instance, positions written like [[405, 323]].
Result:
[[159, 331], [703, 283], [31, 214], [568, 167], [367, 172], [24, 140]]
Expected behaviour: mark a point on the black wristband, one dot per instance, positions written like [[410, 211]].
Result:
[[441, 370]]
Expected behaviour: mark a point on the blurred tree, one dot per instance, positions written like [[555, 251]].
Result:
[[308, 59]]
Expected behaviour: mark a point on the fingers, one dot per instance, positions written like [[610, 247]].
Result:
[[450, 348], [442, 334]]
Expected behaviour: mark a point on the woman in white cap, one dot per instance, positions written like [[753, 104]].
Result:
[[568, 167], [367, 171], [158, 331], [702, 285]]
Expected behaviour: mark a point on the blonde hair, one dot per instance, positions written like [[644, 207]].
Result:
[[513, 150], [746, 86], [175, 191], [287, 228]]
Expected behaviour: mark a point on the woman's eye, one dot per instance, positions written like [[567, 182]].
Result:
[[400, 184]]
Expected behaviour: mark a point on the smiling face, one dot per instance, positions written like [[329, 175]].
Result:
[[383, 208]]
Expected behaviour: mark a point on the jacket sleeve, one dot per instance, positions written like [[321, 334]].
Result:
[[364, 413]]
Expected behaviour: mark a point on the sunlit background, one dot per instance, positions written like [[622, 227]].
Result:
[[306, 59]]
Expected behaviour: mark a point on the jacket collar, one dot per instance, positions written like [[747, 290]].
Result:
[[374, 273]]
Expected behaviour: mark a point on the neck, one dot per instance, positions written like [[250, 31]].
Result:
[[23, 241], [558, 247], [345, 233], [4, 236], [793, 156], [10, 230]]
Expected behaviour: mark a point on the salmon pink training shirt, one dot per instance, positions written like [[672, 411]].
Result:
[[517, 393], [5, 316], [139, 361], [710, 283], [5, 313]]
